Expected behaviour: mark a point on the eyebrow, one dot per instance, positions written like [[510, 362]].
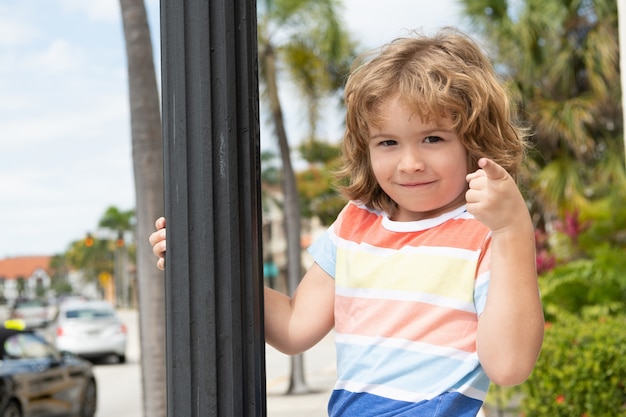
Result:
[[427, 132]]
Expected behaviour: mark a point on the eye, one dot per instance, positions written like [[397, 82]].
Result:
[[387, 143], [432, 139]]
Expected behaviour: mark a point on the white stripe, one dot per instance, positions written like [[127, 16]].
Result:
[[420, 225], [384, 391], [399, 295], [419, 347]]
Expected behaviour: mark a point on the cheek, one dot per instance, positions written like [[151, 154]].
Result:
[[379, 169], [460, 170], [374, 162]]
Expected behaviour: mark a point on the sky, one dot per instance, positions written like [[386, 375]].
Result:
[[65, 146]]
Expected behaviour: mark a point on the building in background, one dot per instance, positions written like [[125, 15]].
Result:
[[24, 276]]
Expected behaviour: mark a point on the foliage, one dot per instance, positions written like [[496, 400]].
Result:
[[117, 220], [95, 254], [561, 57], [310, 45], [270, 171], [581, 370], [91, 257], [61, 286], [588, 247], [586, 287], [318, 196], [317, 151]]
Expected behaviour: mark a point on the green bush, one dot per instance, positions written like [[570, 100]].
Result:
[[581, 370]]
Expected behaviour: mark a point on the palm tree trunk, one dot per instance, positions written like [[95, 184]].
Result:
[[291, 207], [148, 168]]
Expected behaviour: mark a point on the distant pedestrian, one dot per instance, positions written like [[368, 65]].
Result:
[[428, 274]]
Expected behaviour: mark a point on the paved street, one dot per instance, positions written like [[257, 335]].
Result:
[[119, 385]]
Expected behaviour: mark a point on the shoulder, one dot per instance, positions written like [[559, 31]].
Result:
[[356, 215]]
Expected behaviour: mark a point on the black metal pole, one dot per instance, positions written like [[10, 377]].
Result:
[[215, 353]]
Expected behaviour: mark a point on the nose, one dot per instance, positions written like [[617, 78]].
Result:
[[411, 160]]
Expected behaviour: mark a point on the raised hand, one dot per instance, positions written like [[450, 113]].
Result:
[[493, 197]]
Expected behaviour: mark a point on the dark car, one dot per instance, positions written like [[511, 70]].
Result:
[[38, 380]]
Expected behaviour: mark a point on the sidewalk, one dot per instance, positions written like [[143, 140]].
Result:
[[320, 374]]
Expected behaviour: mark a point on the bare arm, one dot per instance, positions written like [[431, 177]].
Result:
[[293, 325], [510, 329]]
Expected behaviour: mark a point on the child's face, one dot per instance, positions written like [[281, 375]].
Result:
[[421, 166]]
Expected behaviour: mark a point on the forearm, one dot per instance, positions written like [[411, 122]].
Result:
[[510, 330], [278, 315], [293, 325]]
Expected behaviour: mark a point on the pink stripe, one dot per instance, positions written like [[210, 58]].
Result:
[[413, 321]]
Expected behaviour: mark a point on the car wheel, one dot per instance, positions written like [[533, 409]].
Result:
[[90, 400], [12, 410], [121, 358]]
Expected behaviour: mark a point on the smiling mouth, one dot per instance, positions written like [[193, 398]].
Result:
[[416, 184]]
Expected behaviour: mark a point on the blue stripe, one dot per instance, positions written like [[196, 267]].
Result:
[[378, 365], [347, 404]]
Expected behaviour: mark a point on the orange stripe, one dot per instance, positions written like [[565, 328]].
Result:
[[414, 321], [357, 224]]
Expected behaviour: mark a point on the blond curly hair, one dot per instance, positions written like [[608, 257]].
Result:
[[445, 75]]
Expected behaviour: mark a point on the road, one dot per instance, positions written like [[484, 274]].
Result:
[[119, 385]]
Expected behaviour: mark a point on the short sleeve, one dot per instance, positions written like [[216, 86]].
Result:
[[324, 252]]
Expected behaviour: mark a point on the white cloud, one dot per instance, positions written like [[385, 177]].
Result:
[[16, 32], [60, 55]]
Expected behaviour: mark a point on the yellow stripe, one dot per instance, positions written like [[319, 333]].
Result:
[[422, 273]]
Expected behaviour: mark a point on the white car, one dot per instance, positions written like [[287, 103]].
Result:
[[90, 329]]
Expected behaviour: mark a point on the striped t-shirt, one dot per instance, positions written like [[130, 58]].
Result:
[[407, 300]]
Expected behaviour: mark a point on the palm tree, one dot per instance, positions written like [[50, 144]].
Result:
[[122, 225], [305, 39], [562, 58], [148, 167], [117, 220]]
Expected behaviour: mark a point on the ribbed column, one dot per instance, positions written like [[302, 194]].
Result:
[[214, 289]]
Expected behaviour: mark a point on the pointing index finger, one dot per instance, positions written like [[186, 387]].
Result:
[[491, 169]]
